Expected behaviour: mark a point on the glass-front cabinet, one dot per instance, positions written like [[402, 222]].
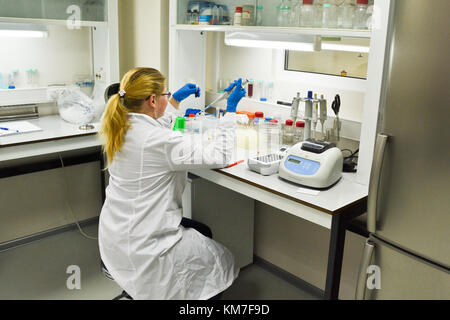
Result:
[[330, 14], [83, 10]]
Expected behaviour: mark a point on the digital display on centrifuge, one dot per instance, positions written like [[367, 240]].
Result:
[[294, 161]]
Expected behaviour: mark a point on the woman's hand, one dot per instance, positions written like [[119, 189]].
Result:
[[235, 96], [186, 91]]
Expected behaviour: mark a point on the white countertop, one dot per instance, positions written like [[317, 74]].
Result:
[[57, 135], [53, 127], [345, 192]]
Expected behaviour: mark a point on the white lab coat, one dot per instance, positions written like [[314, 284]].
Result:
[[141, 241]]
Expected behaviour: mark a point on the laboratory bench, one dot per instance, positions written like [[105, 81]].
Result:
[[333, 209]]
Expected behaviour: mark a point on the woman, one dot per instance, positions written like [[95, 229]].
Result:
[[146, 250]]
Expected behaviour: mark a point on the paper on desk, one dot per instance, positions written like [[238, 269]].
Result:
[[14, 126], [308, 191]]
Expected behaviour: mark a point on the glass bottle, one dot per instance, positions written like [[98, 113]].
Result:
[[299, 132], [361, 17], [250, 88], [261, 91], [347, 12], [318, 10], [296, 13], [259, 12], [215, 16], [284, 18], [329, 15], [288, 133], [269, 91], [274, 135], [307, 15], [238, 16]]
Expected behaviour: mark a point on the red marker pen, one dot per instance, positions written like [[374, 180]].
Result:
[[234, 164]]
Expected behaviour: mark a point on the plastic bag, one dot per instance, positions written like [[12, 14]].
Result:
[[98, 101], [75, 107]]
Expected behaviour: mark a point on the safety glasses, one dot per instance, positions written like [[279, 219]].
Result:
[[168, 94]]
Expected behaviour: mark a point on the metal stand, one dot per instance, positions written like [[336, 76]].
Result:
[[339, 224]]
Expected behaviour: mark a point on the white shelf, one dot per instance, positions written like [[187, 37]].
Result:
[[53, 22], [20, 96], [288, 30]]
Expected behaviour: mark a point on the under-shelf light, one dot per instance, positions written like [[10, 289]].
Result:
[[22, 30], [344, 47], [295, 42]]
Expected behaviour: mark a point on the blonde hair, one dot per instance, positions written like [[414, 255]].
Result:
[[138, 84]]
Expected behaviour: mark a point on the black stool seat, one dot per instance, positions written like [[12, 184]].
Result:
[[105, 271]]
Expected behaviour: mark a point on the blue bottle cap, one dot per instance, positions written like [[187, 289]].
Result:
[[310, 94], [263, 99]]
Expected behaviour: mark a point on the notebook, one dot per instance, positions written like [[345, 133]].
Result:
[[17, 127]]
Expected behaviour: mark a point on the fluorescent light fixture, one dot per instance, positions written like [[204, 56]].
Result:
[[295, 42], [22, 30], [344, 47]]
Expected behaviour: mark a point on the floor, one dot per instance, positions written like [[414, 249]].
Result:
[[42, 270]]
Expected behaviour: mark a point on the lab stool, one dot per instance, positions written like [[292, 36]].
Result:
[[105, 271]]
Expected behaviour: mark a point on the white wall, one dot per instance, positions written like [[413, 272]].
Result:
[[58, 58], [267, 65], [143, 34]]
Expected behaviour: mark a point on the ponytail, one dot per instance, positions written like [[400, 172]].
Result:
[[137, 85]]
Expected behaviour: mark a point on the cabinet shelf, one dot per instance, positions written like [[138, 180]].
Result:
[[286, 30], [22, 96], [50, 22]]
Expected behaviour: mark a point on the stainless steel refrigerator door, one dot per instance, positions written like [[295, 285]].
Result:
[[400, 276], [412, 206]]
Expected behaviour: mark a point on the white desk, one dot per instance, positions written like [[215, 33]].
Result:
[[57, 136], [332, 209]]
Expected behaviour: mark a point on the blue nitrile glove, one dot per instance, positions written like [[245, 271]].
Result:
[[186, 91], [235, 96], [231, 86]]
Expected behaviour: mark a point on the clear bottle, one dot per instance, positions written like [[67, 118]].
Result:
[[274, 135], [238, 17], [307, 15], [361, 16], [288, 132], [329, 15], [269, 91], [318, 12], [347, 12], [261, 92], [215, 16], [299, 131], [259, 12], [248, 15], [258, 120], [195, 17], [278, 15], [296, 13], [284, 17]]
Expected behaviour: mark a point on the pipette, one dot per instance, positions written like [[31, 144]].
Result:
[[323, 112], [308, 114], [315, 116], [223, 96]]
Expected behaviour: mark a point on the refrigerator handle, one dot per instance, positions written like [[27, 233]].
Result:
[[362, 276], [375, 175]]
